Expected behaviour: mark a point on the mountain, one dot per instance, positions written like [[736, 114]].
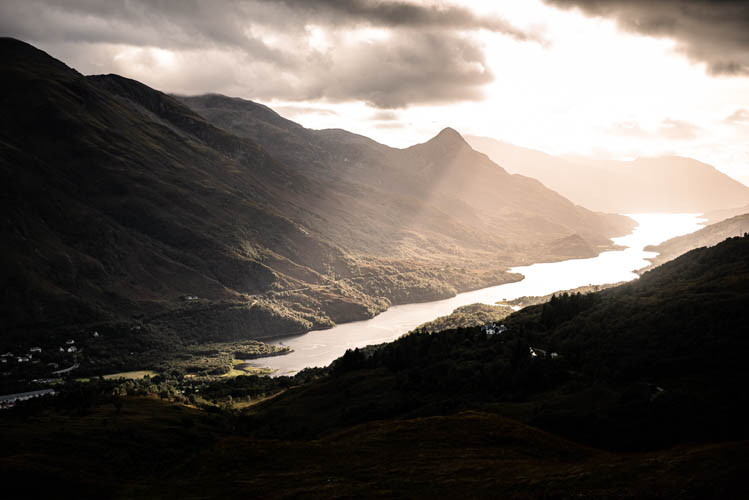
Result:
[[663, 184], [126, 211], [726, 213], [442, 176], [706, 237]]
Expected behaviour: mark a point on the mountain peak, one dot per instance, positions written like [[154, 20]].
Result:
[[449, 134], [447, 140]]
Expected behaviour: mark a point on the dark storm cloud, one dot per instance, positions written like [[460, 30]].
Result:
[[403, 14], [427, 56], [412, 68], [709, 31]]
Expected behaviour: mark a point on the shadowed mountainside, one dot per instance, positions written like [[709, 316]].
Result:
[[652, 363], [664, 184], [120, 201]]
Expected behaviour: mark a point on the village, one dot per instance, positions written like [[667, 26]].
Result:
[[36, 366]]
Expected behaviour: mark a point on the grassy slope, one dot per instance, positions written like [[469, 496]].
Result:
[[154, 449], [652, 373]]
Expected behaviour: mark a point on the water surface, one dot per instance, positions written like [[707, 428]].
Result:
[[319, 348]]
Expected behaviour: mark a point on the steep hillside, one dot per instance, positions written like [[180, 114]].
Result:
[[114, 211], [705, 237], [652, 363], [416, 186], [124, 208], [665, 184]]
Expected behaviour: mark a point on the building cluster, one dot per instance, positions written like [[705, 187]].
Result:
[[493, 328], [535, 352], [27, 357]]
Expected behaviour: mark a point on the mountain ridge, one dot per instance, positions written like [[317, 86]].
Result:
[[427, 168], [708, 236], [666, 184], [120, 201]]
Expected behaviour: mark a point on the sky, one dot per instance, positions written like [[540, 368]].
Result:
[[581, 78]]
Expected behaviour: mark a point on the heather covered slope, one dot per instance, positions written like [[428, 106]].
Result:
[[662, 184]]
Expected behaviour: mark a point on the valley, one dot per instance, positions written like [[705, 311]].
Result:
[[204, 296], [554, 403], [125, 208], [320, 348]]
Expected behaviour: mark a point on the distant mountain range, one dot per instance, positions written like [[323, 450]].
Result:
[[727, 213], [706, 237], [122, 204], [664, 184]]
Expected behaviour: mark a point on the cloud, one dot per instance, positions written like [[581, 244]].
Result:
[[709, 31], [389, 125], [630, 129], [403, 14], [667, 129], [292, 111], [390, 54], [678, 130], [385, 116], [738, 117]]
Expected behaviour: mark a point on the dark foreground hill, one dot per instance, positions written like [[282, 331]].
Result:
[[124, 211], [656, 362], [633, 392]]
